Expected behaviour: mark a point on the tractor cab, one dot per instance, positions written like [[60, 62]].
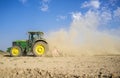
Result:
[[33, 36]]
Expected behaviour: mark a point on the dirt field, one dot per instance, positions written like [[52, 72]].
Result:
[[60, 67]]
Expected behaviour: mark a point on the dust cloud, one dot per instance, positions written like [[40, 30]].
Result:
[[85, 36]]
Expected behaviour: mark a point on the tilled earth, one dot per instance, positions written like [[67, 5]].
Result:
[[60, 67]]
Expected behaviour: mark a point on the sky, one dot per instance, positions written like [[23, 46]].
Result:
[[17, 17]]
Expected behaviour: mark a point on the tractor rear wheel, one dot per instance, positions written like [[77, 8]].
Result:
[[15, 51], [40, 48]]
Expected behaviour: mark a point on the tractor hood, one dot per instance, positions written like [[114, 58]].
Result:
[[21, 43]]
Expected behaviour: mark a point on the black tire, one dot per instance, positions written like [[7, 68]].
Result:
[[40, 48], [16, 51]]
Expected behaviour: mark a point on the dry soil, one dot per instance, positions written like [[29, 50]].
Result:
[[60, 67]]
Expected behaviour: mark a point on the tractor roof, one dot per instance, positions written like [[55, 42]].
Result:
[[35, 32]]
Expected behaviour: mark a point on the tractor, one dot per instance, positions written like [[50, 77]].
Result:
[[35, 44]]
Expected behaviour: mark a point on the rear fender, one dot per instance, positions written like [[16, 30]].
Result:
[[41, 41]]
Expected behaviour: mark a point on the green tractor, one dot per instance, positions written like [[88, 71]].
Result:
[[35, 44]]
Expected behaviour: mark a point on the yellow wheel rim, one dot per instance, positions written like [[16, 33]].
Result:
[[15, 51], [39, 49]]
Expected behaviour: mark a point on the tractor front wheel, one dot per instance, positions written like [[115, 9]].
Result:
[[39, 48], [15, 51]]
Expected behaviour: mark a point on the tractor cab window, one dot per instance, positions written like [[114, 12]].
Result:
[[14, 43], [31, 37], [35, 36]]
